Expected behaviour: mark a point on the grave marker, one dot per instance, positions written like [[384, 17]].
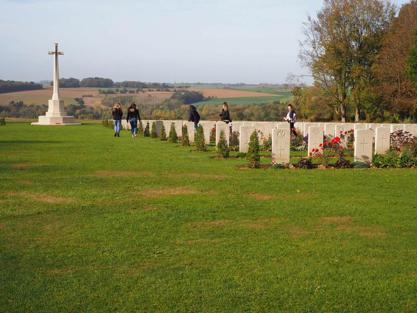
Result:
[[363, 145]]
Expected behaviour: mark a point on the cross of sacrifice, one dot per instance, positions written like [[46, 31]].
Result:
[[56, 53]]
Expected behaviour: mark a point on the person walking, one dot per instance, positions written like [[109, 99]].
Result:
[[291, 118], [193, 116], [117, 114], [133, 118]]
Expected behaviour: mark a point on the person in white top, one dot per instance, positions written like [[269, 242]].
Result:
[[291, 118]]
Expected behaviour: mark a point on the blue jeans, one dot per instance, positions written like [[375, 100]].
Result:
[[117, 126], [133, 126]]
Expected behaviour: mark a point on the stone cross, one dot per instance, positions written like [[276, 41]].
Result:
[[56, 53], [363, 145], [56, 113], [281, 140]]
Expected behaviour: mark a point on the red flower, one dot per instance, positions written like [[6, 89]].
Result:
[[321, 145]]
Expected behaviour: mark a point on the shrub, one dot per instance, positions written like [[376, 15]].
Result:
[[147, 132], [213, 135], [222, 147], [185, 140], [154, 134], [297, 143], [234, 141], [2, 121], [253, 155], [328, 150], [200, 142], [267, 144], [343, 163], [406, 159], [358, 164], [140, 128], [173, 137], [305, 163], [163, 133], [388, 160], [105, 123], [400, 139]]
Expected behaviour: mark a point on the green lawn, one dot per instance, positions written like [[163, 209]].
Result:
[[92, 223]]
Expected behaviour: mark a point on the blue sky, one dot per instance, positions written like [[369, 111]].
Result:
[[155, 40]]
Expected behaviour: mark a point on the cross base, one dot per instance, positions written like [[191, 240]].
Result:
[[56, 120]]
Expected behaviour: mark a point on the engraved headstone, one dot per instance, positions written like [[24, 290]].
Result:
[[281, 140], [382, 140], [363, 145]]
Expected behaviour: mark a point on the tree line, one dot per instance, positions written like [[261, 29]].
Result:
[[100, 82], [363, 58], [13, 86]]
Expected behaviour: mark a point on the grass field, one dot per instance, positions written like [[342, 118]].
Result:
[[245, 100], [92, 223]]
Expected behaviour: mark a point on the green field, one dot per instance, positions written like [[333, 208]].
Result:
[[247, 100], [92, 223]]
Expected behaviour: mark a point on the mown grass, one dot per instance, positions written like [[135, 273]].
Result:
[[92, 223]]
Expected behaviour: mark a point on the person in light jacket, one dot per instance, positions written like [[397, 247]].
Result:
[[291, 118]]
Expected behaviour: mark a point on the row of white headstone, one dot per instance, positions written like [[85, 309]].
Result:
[[369, 138]]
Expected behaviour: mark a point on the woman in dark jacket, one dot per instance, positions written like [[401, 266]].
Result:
[[225, 115], [194, 116], [133, 118], [117, 114]]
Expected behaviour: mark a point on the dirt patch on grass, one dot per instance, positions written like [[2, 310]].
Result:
[[364, 231], [297, 231], [201, 241], [261, 196], [60, 271], [25, 182], [21, 166], [122, 174], [260, 224], [167, 192], [210, 224], [197, 175], [41, 197], [336, 220], [2, 226], [345, 224]]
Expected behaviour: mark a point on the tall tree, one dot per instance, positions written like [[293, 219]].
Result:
[[394, 85], [341, 44]]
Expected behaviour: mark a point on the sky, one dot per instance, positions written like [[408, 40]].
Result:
[[228, 41]]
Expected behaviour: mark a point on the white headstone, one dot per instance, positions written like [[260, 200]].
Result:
[[315, 138], [244, 137], [281, 141], [191, 131], [358, 126], [222, 126], [363, 145], [411, 128], [207, 127], [382, 140], [396, 127], [329, 129]]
